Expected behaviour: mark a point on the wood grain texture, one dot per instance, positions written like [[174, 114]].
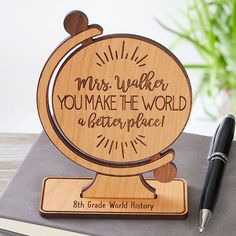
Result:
[[113, 146], [166, 173], [43, 87], [104, 186], [170, 203], [113, 104], [75, 22], [100, 92], [15, 145], [13, 149]]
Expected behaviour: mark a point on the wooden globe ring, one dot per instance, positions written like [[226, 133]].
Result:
[[52, 132]]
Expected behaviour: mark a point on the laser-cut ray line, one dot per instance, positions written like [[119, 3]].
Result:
[[100, 58], [141, 141], [111, 146], [134, 53], [122, 50], [100, 142], [132, 144], [109, 47], [122, 150], [106, 143], [142, 65], [142, 59], [106, 56]]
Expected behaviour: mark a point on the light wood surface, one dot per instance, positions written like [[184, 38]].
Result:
[[13, 149], [113, 104], [61, 196], [104, 186], [102, 114]]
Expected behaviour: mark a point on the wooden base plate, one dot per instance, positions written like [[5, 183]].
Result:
[[61, 197]]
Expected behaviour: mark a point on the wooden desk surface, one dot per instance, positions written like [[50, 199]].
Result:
[[13, 149]]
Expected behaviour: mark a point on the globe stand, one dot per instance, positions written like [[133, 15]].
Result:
[[114, 104], [104, 186], [62, 197], [134, 186], [116, 196]]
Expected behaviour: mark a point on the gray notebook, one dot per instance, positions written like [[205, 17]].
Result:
[[21, 199]]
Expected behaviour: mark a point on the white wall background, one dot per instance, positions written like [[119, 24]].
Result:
[[31, 30]]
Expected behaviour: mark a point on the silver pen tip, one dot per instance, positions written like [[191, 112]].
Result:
[[201, 229], [204, 216]]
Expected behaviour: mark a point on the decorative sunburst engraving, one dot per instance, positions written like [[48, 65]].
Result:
[[114, 54], [122, 147]]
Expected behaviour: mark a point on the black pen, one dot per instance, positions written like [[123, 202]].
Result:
[[218, 157]]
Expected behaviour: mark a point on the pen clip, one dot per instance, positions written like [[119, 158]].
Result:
[[213, 142]]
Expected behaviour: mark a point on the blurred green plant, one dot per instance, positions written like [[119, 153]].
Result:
[[212, 31]]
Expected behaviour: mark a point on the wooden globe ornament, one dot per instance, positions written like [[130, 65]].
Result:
[[114, 104]]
